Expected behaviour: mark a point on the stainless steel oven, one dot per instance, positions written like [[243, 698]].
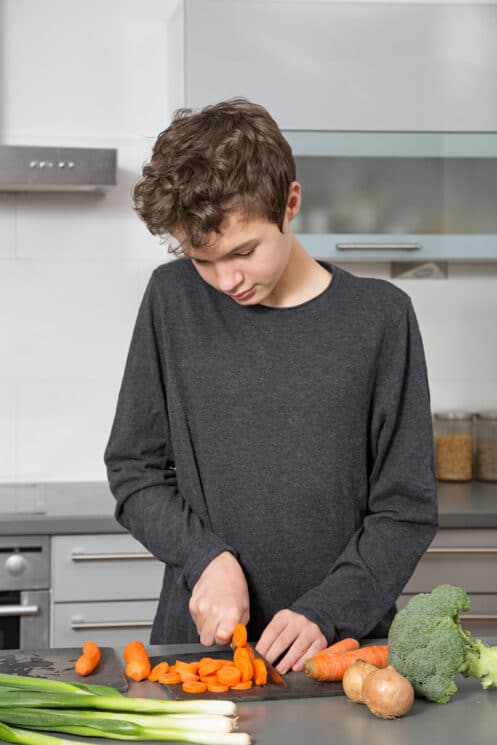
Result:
[[24, 592]]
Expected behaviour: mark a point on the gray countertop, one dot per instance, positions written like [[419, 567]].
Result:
[[87, 507], [470, 716]]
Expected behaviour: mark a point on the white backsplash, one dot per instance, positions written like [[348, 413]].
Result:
[[73, 267]]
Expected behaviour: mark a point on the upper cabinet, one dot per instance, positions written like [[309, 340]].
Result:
[[386, 67]]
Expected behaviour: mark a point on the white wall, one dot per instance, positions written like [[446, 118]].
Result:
[[73, 267]]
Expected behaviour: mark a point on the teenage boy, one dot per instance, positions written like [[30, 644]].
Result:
[[272, 443]]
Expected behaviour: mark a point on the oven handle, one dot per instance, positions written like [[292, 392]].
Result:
[[19, 610], [90, 625], [78, 556]]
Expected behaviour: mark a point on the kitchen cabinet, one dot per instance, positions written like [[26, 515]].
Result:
[[341, 66], [104, 587], [397, 196], [466, 558]]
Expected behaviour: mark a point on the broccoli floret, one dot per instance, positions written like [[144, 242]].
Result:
[[428, 645]]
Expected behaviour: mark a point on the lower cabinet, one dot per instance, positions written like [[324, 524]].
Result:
[[105, 587], [466, 558]]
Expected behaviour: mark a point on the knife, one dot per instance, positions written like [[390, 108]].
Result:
[[272, 674]]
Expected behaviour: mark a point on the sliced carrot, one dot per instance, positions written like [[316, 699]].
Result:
[[250, 652], [161, 667], [194, 686], [260, 672], [229, 675], [217, 687], [241, 653], [169, 678], [209, 678], [246, 669], [210, 667], [243, 685], [188, 677], [239, 638]]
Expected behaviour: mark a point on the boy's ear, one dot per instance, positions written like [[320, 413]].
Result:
[[294, 199]]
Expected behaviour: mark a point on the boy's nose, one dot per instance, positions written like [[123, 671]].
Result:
[[229, 281]]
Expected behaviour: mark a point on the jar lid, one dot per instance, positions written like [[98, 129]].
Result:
[[490, 414], [459, 415]]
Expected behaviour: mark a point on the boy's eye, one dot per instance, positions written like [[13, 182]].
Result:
[[247, 253]]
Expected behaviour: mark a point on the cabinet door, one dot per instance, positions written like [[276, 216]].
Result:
[[103, 567], [346, 66], [108, 624]]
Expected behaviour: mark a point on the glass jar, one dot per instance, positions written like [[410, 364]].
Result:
[[486, 438], [453, 434]]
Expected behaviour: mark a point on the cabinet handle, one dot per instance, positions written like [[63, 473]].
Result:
[[478, 616], [378, 246], [88, 625], [19, 610], [75, 556], [461, 551]]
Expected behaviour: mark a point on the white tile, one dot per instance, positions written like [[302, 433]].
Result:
[[7, 430], [63, 428], [66, 320], [92, 65], [89, 225], [470, 395], [7, 225]]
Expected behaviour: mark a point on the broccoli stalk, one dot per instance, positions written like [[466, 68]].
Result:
[[428, 645]]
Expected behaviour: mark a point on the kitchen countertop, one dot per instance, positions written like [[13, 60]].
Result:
[[471, 716], [58, 508]]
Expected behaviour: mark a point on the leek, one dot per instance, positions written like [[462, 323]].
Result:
[[114, 703]]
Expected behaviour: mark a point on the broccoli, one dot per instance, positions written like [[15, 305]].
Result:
[[428, 646]]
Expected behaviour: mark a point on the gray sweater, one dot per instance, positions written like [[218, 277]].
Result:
[[299, 439]]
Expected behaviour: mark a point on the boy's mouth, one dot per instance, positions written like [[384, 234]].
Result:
[[244, 295]]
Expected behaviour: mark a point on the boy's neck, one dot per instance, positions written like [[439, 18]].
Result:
[[303, 279]]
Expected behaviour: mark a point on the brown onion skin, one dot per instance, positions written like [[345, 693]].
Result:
[[387, 693], [353, 680]]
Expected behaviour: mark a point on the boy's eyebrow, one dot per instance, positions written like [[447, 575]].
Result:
[[242, 245]]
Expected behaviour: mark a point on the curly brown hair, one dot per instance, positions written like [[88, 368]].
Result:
[[228, 156]]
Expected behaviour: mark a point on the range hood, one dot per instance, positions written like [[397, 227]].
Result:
[[34, 168]]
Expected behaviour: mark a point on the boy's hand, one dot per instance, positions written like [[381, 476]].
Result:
[[219, 600], [293, 632]]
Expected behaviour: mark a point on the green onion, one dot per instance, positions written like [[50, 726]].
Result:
[[27, 737], [50, 718], [54, 686], [114, 703]]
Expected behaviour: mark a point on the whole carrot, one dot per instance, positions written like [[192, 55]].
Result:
[[333, 666], [137, 661], [345, 645], [89, 660]]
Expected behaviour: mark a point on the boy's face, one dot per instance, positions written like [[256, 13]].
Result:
[[247, 260]]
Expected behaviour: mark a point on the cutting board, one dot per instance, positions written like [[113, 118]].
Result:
[[299, 685], [58, 664]]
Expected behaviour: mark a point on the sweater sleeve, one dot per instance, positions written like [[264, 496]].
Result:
[[140, 460], [401, 520]]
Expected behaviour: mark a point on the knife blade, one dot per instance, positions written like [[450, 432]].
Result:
[[273, 675]]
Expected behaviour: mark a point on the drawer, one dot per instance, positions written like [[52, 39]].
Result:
[[108, 624], [481, 619], [467, 558], [103, 567]]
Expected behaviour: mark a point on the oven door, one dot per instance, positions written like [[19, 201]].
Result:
[[24, 619]]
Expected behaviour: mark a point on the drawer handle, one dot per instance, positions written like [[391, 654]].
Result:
[[461, 550], [75, 556], [19, 610], [378, 246], [478, 617], [88, 625]]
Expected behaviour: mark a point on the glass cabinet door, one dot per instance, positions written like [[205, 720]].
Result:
[[397, 196]]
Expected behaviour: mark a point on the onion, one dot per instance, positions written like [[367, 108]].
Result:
[[387, 693], [354, 677]]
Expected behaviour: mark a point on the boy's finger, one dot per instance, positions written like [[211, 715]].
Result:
[[270, 634]]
